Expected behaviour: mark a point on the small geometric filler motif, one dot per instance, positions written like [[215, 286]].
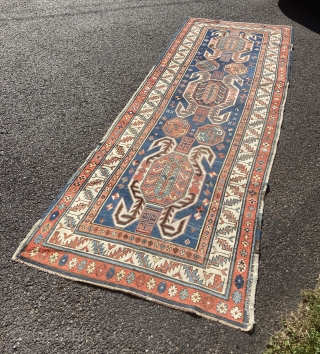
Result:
[[147, 221], [200, 114], [185, 144], [168, 206]]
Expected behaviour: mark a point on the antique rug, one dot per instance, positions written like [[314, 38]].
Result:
[[169, 205]]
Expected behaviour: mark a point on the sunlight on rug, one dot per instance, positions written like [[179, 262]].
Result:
[[169, 205]]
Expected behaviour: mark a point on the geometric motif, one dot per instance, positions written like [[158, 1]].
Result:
[[207, 65], [168, 206], [214, 94], [225, 57], [210, 134], [200, 114], [167, 179], [232, 42], [217, 75], [176, 127], [210, 93], [185, 144], [235, 69], [147, 221]]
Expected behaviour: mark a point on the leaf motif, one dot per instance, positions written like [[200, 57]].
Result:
[[244, 157], [226, 230], [133, 131], [104, 172], [88, 194], [229, 216], [70, 221], [78, 207], [231, 202], [166, 267], [249, 148], [255, 123], [253, 132], [237, 179], [218, 261], [112, 160], [250, 139], [120, 150], [224, 245], [137, 123], [242, 168], [96, 182], [236, 191], [126, 139]]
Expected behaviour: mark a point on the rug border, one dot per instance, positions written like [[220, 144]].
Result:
[[255, 264], [253, 274]]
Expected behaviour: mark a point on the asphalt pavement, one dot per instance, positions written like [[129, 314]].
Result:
[[67, 69]]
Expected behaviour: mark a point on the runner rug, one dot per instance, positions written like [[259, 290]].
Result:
[[169, 205]]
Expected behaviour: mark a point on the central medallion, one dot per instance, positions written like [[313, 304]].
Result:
[[166, 183], [167, 179], [210, 93]]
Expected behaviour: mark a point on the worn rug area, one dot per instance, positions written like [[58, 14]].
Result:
[[169, 205]]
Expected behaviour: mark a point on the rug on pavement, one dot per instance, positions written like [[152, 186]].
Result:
[[169, 205]]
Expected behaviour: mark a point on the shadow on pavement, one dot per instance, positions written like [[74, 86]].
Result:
[[305, 12]]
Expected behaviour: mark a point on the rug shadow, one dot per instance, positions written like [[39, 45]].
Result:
[[304, 12]]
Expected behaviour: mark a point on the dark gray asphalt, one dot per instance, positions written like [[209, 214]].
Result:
[[67, 69]]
